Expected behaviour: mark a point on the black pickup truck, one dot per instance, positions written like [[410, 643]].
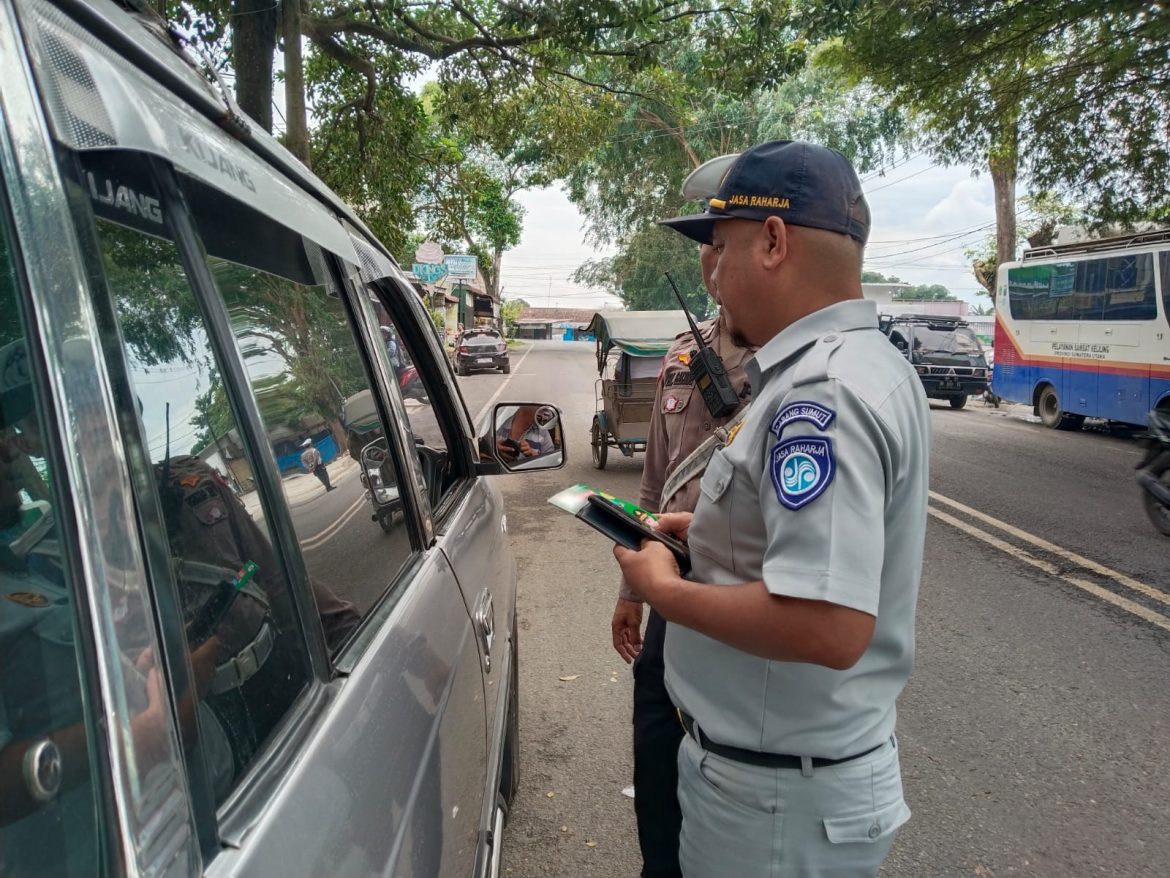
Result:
[[945, 353]]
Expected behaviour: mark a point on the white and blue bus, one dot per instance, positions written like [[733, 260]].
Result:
[[1082, 330]]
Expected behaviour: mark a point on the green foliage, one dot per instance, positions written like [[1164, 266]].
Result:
[[636, 275], [1043, 212], [510, 312], [1076, 90], [876, 277]]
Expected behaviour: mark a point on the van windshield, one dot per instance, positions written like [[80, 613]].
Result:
[[960, 340]]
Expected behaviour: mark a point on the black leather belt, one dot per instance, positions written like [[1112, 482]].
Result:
[[755, 757]]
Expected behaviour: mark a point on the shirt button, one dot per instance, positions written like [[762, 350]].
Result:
[[829, 338], [707, 426], [875, 831], [719, 486]]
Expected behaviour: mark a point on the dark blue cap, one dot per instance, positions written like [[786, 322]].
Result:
[[802, 183]]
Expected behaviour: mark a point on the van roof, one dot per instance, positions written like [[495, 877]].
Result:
[[111, 81]]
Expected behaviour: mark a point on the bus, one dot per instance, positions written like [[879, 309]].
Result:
[[1082, 331]]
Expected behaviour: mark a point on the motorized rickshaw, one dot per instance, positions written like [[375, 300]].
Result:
[[630, 349]]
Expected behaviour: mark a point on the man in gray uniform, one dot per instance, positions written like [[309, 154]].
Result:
[[795, 634]]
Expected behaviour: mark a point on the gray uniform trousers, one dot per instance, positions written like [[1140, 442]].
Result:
[[744, 821]]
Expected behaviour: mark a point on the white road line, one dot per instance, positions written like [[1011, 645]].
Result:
[[1136, 609], [1087, 563], [487, 405], [321, 536]]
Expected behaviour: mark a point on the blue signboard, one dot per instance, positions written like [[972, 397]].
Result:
[[429, 272], [461, 267]]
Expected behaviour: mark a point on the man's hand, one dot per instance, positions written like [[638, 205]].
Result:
[[675, 524], [526, 449], [648, 571], [627, 629]]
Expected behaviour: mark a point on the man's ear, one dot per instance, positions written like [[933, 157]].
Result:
[[775, 234]]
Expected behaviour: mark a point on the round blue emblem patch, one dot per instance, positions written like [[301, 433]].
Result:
[[802, 469]]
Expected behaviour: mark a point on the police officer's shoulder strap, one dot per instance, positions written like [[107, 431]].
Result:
[[695, 462], [814, 365]]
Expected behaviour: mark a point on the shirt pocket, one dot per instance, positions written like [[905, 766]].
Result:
[[674, 412], [717, 477], [712, 537]]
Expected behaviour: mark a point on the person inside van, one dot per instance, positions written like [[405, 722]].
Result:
[[521, 436]]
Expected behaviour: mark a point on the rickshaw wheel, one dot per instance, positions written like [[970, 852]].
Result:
[[600, 445]]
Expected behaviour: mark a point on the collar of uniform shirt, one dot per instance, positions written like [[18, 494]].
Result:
[[841, 317]]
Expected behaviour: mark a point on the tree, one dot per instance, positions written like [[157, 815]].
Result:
[[658, 142], [502, 44], [876, 277], [1071, 94], [1045, 211], [637, 273], [510, 311]]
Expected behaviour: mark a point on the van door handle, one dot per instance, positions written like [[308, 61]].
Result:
[[485, 626]]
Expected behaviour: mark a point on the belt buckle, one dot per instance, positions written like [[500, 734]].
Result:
[[246, 664]]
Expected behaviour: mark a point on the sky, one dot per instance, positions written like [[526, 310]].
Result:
[[923, 217]]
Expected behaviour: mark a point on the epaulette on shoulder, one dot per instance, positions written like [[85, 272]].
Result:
[[814, 365]]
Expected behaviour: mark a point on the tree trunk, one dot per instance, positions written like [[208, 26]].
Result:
[[296, 119], [253, 46], [1003, 161], [1003, 182]]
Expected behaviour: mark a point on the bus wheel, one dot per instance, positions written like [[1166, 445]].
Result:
[[1052, 416], [957, 402]]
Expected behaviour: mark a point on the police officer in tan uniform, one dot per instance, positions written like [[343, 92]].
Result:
[[213, 539], [680, 424]]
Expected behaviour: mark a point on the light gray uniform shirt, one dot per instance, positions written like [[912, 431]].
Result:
[[821, 494]]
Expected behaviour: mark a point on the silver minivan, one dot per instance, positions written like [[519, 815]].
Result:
[[243, 631]]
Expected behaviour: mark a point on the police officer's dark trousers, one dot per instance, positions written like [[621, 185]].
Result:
[[323, 474], [657, 734]]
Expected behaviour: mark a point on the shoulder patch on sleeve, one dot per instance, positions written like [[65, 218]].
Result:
[[802, 469], [803, 410]]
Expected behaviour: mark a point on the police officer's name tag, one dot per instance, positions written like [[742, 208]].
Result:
[[812, 412], [802, 469]]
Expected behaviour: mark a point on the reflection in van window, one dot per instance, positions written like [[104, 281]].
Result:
[[438, 465], [338, 470], [246, 648], [47, 819]]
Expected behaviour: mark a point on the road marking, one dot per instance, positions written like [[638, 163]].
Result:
[[1081, 561], [320, 537], [1151, 616], [487, 405]]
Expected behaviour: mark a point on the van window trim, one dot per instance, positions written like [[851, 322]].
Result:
[[26, 154], [451, 411], [148, 517]]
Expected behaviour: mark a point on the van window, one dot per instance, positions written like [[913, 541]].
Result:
[[47, 817], [247, 652], [417, 387], [338, 461]]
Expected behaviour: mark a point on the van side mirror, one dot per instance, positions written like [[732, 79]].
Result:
[[525, 436]]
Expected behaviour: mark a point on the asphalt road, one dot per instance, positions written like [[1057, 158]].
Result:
[[1034, 729]]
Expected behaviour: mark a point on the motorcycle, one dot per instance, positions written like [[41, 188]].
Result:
[[1154, 470], [411, 386]]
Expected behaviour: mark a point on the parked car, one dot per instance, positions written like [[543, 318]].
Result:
[[478, 349], [197, 681], [945, 353]]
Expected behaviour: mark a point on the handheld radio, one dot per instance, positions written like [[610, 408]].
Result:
[[710, 376]]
